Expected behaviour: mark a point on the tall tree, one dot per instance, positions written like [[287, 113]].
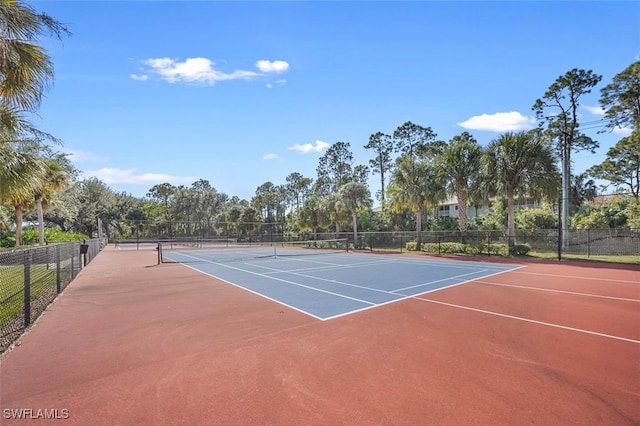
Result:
[[95, 200], [355, 196], [413, 139], [520, 165], [382, 146], [335, 168], [558, 110], [299, 187], [460, 163], [266, 201], [622, 165], [163, 193], [415, 185], [621, 98]]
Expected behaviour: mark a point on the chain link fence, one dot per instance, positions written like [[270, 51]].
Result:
[[613, 242], [589, 242], [31, 278]]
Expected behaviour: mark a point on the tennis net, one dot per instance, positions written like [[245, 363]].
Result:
[[218, 252]]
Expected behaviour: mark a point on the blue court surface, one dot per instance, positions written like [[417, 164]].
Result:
[[327, 286]]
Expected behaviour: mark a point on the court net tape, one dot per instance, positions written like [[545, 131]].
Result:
[[217, 251]]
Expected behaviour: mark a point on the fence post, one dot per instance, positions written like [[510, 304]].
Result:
[[588, 242], [560, 228], [27, 287], [58, 267], [73, 269]]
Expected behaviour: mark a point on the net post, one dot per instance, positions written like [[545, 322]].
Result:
[[159, 250]]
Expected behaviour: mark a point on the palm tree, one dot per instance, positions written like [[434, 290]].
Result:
[[55, 178], [25, 67], [333, 205], [20, 174], [310, 215], [355, 195], [460, 164], [520, 165], [415, 185]]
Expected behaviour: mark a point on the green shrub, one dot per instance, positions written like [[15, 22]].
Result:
[[521, 249], [30, 237]]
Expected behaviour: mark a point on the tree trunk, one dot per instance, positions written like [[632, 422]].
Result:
[[566, 188], [354, 219], [462, 211], [40, 221], [511, 228], [18, 214], [419, 229]]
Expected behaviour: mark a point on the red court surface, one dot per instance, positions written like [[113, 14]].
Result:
[[129, 343]]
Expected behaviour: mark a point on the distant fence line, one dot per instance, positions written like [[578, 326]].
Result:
[[618, 241], [31, 278]]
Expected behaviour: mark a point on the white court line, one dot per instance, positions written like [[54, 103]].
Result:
[[560, 291], [548, 324], [576, 277]]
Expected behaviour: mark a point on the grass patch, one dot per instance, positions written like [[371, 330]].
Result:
[[628, 260], [12, 287]]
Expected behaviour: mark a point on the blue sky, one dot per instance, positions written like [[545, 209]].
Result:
[[241, 93]]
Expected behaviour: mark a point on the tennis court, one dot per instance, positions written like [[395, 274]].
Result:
[[365, 339], [328, 282]]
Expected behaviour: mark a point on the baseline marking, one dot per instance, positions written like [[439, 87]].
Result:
[[548, 324], [560, 291]]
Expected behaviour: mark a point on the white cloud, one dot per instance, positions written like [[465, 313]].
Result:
[[280, 82], [624, 131], [499, 122], [79, 156], [595, 110], [130, 176], [307, 147], [277, 67], [203, 70], [271, 156]]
